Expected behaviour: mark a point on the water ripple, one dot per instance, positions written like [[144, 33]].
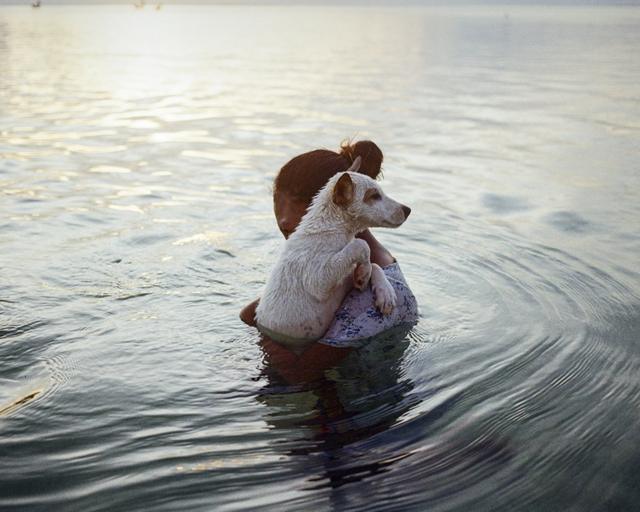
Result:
[[138, 150]]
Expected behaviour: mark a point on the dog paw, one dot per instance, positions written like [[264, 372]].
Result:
[[362, 276], [385, 297]]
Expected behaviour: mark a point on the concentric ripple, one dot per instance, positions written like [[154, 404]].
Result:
[[137, 154]]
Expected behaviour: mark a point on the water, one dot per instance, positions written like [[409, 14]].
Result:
[[137, 154]]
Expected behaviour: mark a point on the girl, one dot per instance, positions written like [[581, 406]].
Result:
[[357, 318]]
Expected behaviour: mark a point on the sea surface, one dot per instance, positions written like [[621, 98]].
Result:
[[137, 153]]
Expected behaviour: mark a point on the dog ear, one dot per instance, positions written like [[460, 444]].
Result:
[[343, 190], [355, 166]]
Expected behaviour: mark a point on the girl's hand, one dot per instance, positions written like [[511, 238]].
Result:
[[248, 313]]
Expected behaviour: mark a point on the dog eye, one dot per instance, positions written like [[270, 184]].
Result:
[[375, 196]]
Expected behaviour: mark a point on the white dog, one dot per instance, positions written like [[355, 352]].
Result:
[[315, 269]]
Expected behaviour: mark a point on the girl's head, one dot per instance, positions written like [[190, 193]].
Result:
[[303, 176]]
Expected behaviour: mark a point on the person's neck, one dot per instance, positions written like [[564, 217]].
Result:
[[371, 240], [379, 253]]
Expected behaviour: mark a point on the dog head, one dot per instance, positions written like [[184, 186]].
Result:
[[362, 199]]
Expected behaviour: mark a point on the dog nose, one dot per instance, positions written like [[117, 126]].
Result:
[[406, 211]]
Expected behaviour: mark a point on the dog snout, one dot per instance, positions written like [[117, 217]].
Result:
[[406, 211]]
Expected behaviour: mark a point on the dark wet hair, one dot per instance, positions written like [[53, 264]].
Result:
[[304, 175]]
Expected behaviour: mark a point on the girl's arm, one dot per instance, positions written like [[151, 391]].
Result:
[[379, 253]]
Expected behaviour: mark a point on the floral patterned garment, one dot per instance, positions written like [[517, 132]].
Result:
[[357, 319]]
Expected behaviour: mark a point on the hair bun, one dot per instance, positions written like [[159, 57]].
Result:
[[368, 151]]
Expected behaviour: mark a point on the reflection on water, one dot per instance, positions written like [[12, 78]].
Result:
[[137, 151], [365, 380]]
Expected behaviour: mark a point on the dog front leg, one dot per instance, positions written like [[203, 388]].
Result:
[[362, 275], [384, 294], [339, 266]]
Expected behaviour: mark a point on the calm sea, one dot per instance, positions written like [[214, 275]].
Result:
[[137, 152]]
